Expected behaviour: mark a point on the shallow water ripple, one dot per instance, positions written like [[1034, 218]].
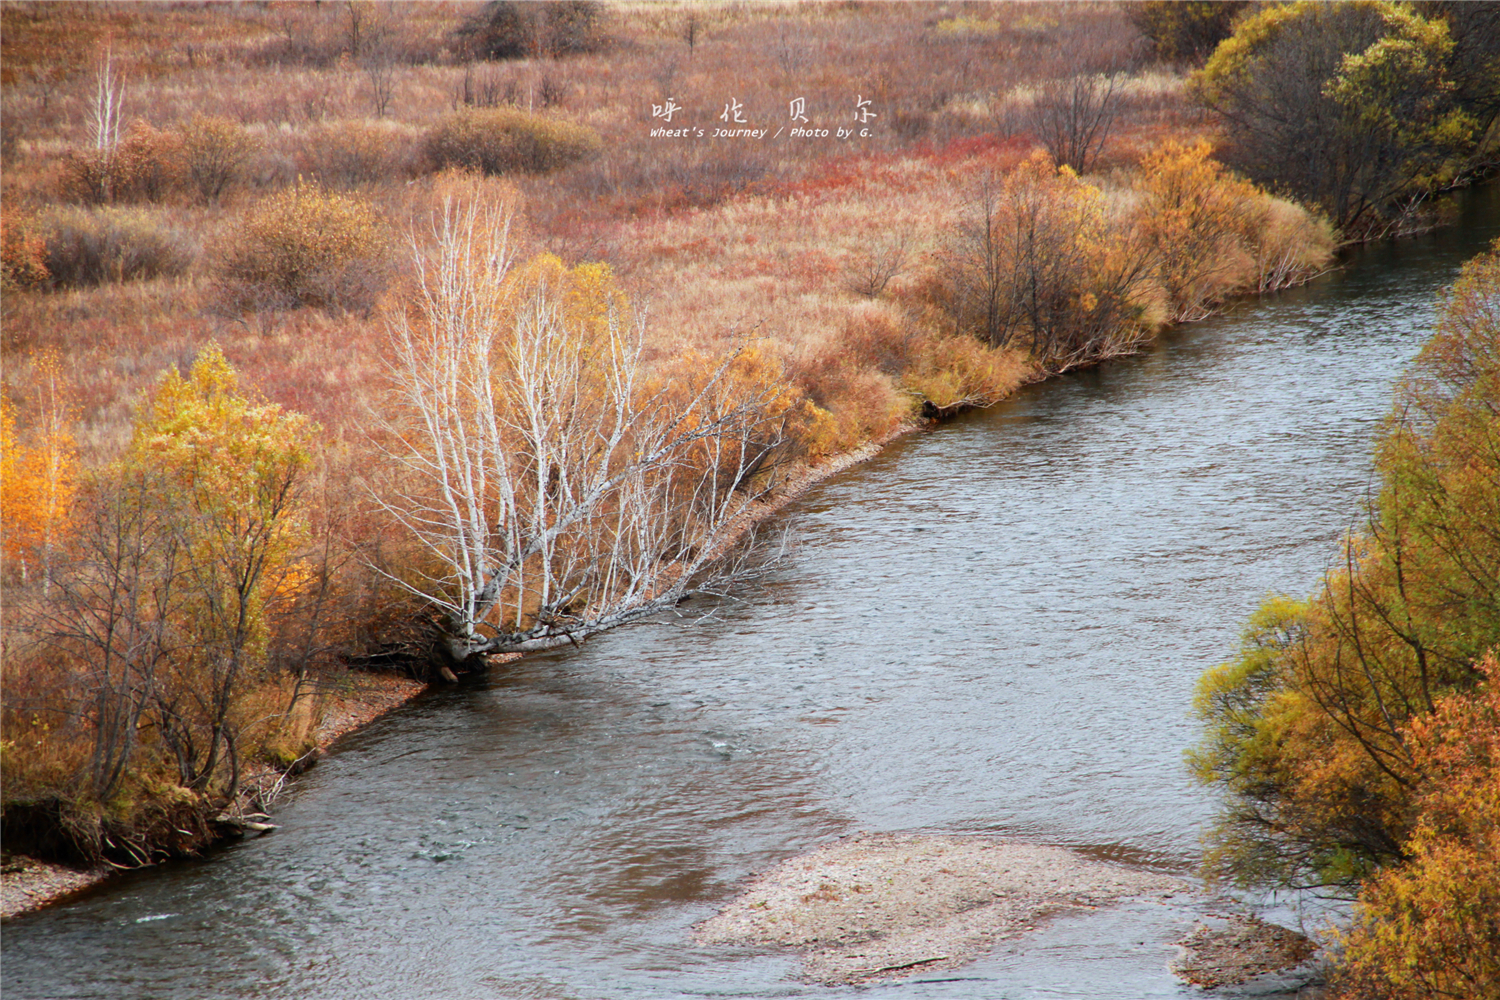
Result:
[[993, 627]]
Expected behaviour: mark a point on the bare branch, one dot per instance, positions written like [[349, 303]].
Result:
[[553, 489]]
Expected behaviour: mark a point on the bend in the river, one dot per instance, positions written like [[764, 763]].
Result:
[[994, 627]]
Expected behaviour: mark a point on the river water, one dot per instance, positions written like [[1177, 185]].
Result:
[[992, 627]]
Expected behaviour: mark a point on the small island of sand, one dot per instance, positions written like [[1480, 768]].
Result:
[[881, 906]]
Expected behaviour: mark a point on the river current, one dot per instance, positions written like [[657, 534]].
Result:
[[993, 627]]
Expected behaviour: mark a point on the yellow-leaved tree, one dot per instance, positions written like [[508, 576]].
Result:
[[183, 554], [156, 638], [38, 481], [1036, 262], [1430, 928], [1315, 731], [1213, 234], [224, 469], [1193, 211], [1350, 106]]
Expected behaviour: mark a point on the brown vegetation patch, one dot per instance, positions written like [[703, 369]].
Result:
[[883, 906], [1238, 950]]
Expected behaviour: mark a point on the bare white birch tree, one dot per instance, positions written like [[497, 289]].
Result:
[[553, 488], [105, 113]]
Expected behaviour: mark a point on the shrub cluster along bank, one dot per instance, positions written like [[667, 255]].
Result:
[[1357, 732], [205, 305]]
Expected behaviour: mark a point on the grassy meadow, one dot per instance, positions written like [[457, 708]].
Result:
[[246, 194]]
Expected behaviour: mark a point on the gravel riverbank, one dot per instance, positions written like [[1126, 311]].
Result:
[[883, 906]]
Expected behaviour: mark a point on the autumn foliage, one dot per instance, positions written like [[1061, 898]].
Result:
[[1355, 733], [1039, 264], [199, 158], [202, 182], [1430, 928], [1362, 108], [143, 671], [507, 141], [305, 246], [39, 479], [1185, 30], [92, 246], [553, 486]]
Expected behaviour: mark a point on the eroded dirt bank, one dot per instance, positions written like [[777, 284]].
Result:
[[28, 884]]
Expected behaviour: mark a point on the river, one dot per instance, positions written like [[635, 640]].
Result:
[[992, 627]]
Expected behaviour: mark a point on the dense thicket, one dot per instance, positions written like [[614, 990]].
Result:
[[1333, 731], [148, 657], [1042, 262], [1359, 107], [506, 29], [1185, 30], [1430, 928]]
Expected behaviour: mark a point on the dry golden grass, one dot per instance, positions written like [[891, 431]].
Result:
[[823, 254], [778, 255], [721, 240]]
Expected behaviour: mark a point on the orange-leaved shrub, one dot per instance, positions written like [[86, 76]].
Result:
[[850, 385], [507, 140], [1036, 261], [39, 479], [1288, 245], [754, 371], [1430, 928], [1193, 212], [23, 253], [937, 373], [1213, 234], [146, 165], [305, 246], [206, 155]]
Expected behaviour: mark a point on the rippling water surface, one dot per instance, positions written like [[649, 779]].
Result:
[[992, 627]]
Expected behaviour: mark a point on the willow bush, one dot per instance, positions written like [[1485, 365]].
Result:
[[1315, 732], [507, 140], [91, 246], [305, 246]]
